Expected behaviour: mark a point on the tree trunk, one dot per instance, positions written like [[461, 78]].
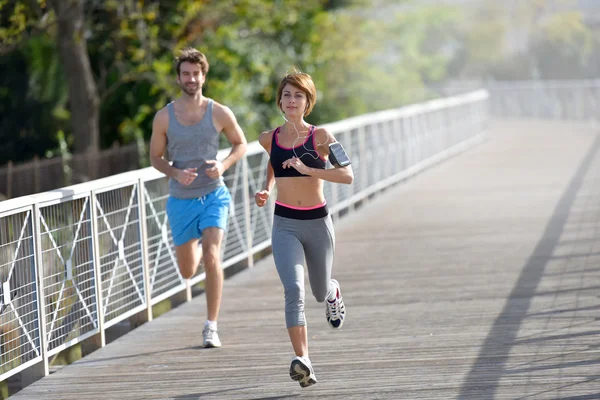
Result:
[[84, 102]]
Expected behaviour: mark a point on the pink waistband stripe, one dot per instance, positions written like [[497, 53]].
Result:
[[301, 208]]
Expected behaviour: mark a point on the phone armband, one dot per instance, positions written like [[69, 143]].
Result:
[[338, 156]]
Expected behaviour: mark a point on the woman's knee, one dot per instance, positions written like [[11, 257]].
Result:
[[320, 294], [294, 305], [294, 297]]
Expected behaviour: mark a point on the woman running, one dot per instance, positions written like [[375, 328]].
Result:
[[302, 226]]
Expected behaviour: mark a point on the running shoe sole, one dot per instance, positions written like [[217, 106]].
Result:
[[301, 373]]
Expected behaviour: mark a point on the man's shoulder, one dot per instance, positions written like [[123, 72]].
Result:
[[162, 116], [220, 109]]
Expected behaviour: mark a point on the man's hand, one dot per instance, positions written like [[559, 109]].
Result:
[[262, 197], [216, 170], [186, 176]]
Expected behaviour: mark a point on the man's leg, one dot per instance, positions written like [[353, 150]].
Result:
[[188, 255], [213, 224], [211, 248]]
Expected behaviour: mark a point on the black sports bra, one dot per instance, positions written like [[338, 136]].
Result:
[[306, 152]]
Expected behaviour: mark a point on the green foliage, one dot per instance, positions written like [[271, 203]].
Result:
[[536, 39], [362, 60], [21, 17], [28, 125], [564, 46]]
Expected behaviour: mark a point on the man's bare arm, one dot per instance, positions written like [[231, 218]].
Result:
[[233, 132], [158, 145]]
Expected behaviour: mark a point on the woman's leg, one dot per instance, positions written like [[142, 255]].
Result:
[[319, 244], [288, 254]]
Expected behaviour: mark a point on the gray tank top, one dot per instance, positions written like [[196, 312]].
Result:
[[190, 147]]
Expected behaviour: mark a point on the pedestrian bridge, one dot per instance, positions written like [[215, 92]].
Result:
[[467, 250]]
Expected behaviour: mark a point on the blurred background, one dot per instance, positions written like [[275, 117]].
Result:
[[81, 80]]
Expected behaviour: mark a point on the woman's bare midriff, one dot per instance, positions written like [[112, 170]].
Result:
[[300, 191]]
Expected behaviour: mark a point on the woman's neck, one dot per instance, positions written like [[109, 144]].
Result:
[[295, 126]]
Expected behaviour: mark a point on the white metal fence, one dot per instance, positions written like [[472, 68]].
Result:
[[566, 100], [558, 100], [77, 260]]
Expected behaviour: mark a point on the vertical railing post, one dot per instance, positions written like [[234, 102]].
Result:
[[439, 121], [97, 270], [346, 138], [596, 101], [411, 139], [405, 121], [41, 369], [247, 211], [377, 161], [397, 135], [362, 154], [145, 249]]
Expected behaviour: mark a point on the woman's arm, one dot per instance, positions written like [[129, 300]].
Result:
[[262, 196], [336, 174]]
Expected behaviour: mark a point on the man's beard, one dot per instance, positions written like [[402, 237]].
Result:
[[191, 91]]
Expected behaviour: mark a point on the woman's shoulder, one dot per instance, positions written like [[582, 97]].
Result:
[[266, 137], [323, 136]]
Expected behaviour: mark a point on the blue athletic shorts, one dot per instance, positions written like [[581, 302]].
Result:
[[189, 217]]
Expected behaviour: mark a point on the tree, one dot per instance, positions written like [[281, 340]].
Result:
[[537, 39], [116, 57], [24, 21], [83, 96]]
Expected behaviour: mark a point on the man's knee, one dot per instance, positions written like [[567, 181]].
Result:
[[188, 258], [211, 257], [186, 271], [211, 248]]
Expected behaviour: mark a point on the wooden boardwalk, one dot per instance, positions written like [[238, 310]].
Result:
[[477, 279]]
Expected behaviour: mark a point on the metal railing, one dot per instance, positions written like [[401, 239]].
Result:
[[572, 100], [77, 260]]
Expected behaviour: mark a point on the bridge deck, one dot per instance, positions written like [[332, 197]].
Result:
[[477, 279]]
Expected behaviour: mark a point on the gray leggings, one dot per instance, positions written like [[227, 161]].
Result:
[[294, 240]]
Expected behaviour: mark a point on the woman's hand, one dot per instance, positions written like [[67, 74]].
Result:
[[262, 197], [298, 165]]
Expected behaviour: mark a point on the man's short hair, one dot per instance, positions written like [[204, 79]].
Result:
[[191, 55]]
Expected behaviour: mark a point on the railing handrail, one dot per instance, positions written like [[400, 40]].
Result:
[[253, 148]]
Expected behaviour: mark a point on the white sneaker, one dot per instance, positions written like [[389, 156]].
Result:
[[301, 370], [335, 311], [211, 338]]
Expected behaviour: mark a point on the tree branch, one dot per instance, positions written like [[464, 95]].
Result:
[[137, 77]]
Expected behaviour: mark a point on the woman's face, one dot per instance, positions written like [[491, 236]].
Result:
[[293, 101]]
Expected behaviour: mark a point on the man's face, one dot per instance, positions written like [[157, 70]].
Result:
[[190, 78]]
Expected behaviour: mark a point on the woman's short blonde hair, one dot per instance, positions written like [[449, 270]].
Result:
[[303, 82]]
